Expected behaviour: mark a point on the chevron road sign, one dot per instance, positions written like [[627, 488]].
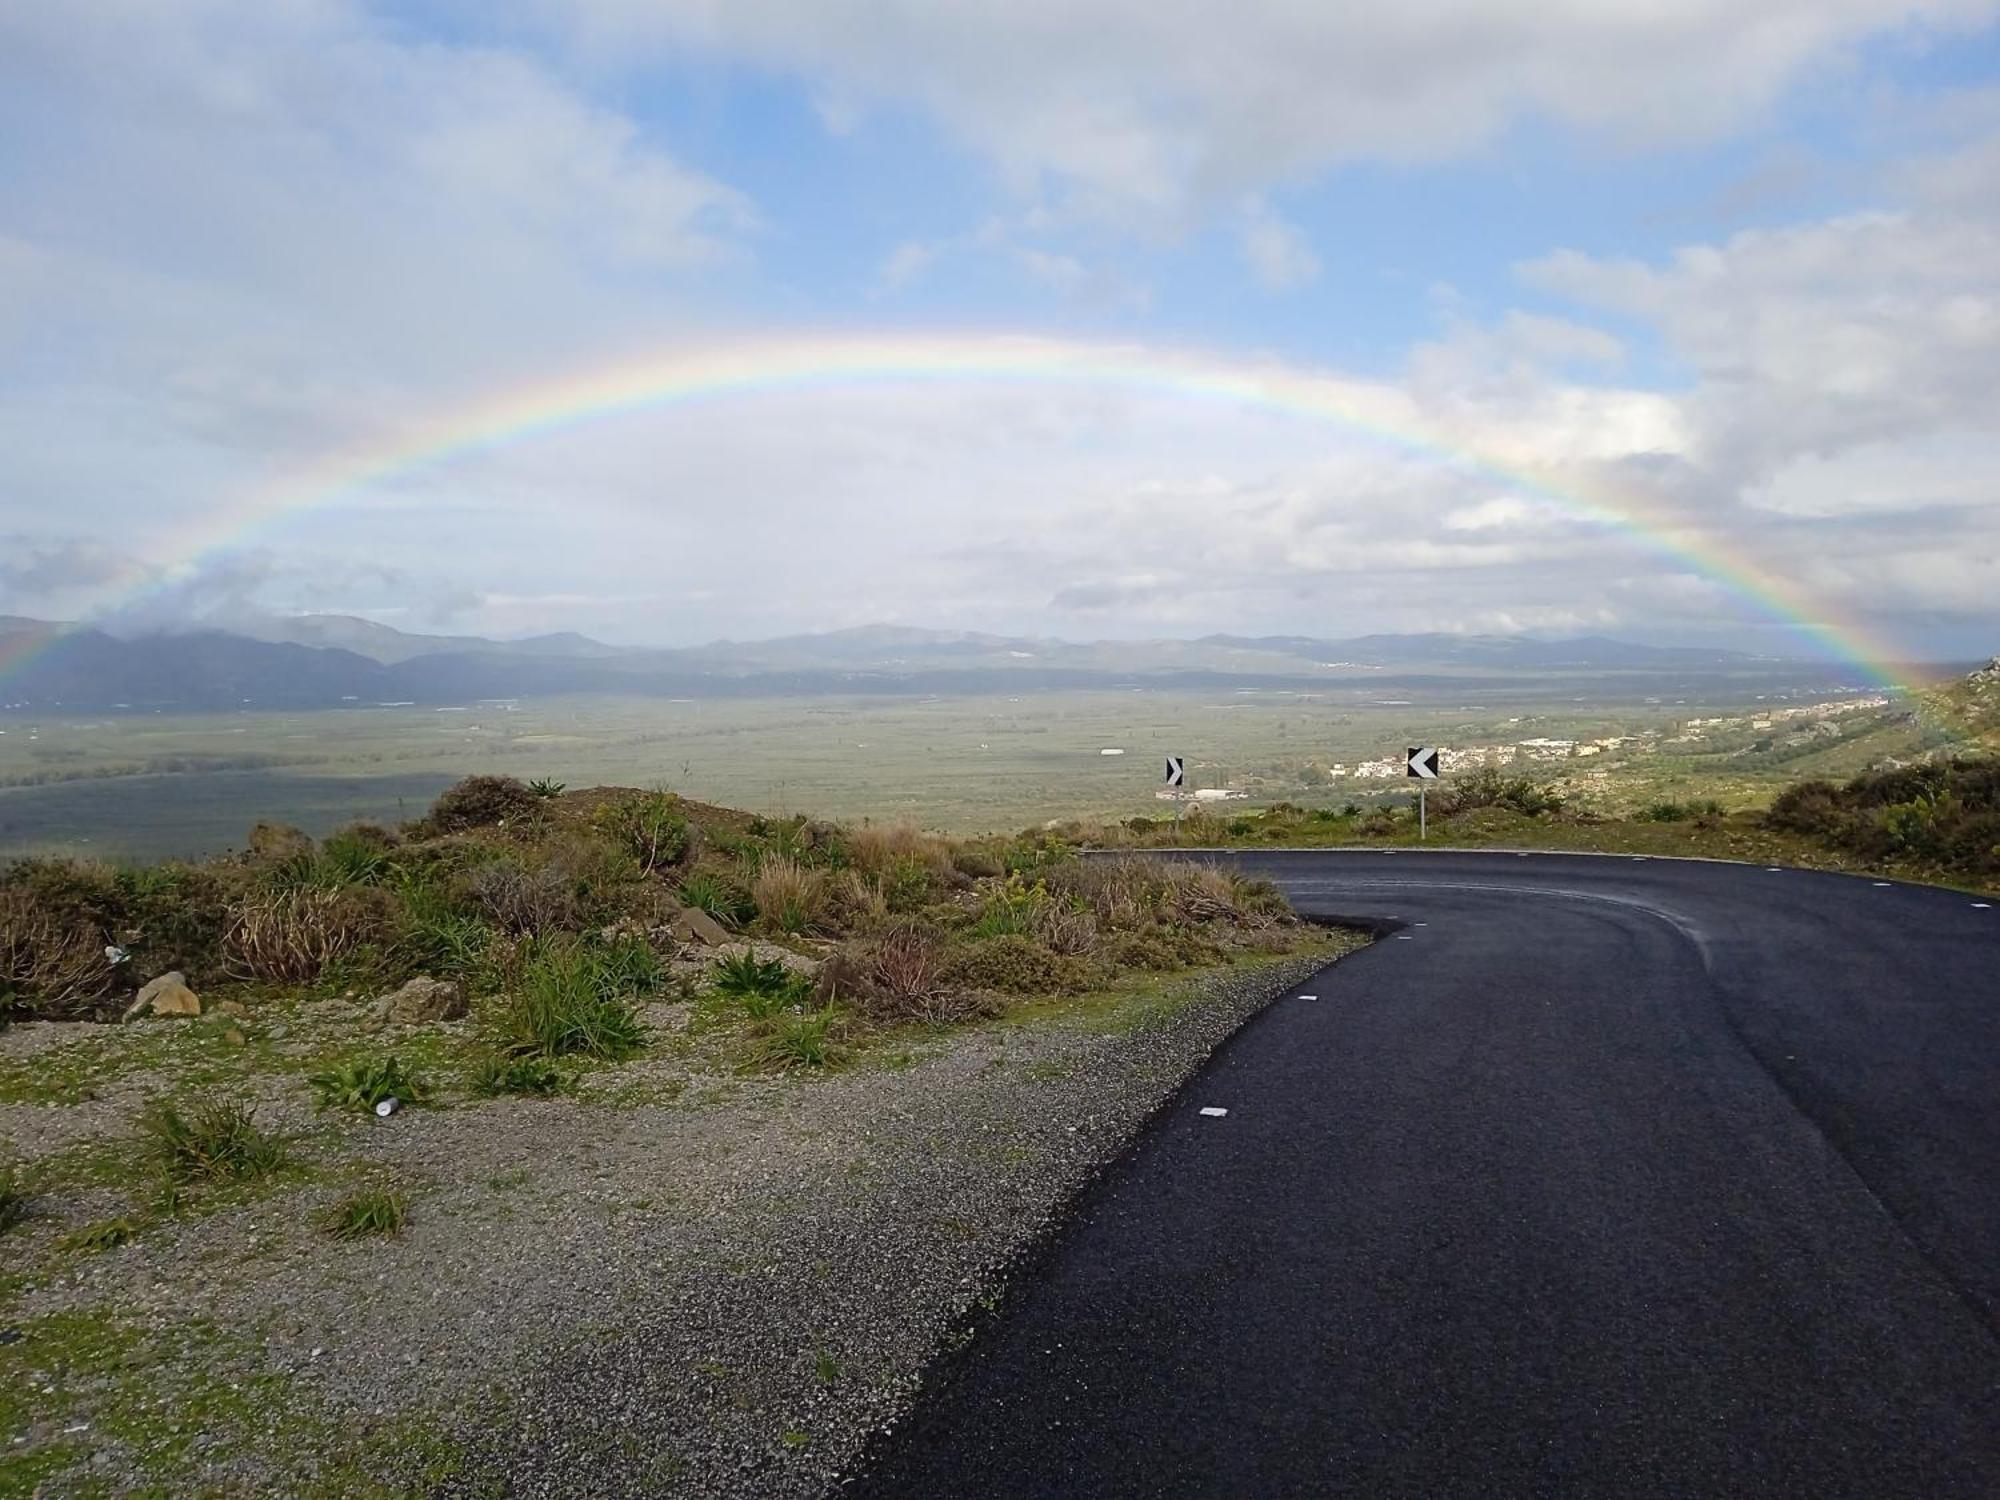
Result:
[[1176, 771], [1423, 763]]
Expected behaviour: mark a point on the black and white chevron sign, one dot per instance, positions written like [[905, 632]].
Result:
[[1176, 771], [1423, 763]]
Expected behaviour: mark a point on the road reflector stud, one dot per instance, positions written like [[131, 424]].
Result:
[[1309, 997], [1213, 1112], [1981, 905]]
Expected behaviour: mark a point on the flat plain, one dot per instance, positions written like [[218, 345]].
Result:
[[143, 786]]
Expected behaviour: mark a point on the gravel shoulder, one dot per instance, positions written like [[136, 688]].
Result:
[[677, 1280]]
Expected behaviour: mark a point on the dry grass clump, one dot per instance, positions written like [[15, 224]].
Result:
[[50, 966], [790, 896], [291, 937], [877, 849], [522, 898]]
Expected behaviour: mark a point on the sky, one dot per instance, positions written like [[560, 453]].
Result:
[[1736, 268]]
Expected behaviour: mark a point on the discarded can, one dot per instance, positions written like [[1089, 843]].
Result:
[[388, 1106]]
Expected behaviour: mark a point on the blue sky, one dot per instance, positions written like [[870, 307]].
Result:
[[1738, 262]]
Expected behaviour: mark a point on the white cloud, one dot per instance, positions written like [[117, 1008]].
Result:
[[1276, 252], [1154, 106]]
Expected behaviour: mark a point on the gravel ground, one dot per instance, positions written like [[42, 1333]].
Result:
[[717, 1291]]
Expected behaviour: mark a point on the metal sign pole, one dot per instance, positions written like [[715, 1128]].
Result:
[[1423, 815]]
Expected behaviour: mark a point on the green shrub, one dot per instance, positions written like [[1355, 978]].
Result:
[[435, 935], [369, 1212], [1665, 812], [569, 1000], [546, 786], [533, 1076], [1487, 787], [1149, 948], [364, 1083], [1011, 964], [650, 829], [210, 1141]]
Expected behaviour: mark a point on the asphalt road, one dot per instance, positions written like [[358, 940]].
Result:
[[1598, 1176]]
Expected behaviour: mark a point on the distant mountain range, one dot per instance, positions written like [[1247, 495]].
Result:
[[312, 661]]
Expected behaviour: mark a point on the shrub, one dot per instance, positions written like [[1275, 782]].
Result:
[[723, 900], [371, 1211], [178, 915], [482, 802], [526, 899], [1013, 965], [292, 936], [650, 828], [533, 1076], [791, 897], [978, 864], [568, 1000], [1147, 949], [362, 854], [546, 786], [212, 1140], [1486, 787], [1665, 812], [365, 1082]]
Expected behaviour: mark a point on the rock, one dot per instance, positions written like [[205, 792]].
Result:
[[232, 1008], [422, 1000], [168, 995], [694, 925]]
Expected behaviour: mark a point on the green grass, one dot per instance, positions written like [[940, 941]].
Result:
[[571, 999], [366, 1213], [105, 1234], [534, 1076], [209, 1141], [798, 1040]]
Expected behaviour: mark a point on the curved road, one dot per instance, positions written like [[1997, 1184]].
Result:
[[1595, 1176]]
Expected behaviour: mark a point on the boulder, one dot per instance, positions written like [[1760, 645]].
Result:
[[422, 1000], [694, 925], [168, 995]]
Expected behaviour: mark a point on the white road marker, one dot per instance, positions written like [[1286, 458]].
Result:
[[1882, 884], [1404, 937], [1981, 905], [1213, 1113], [1309, 997]]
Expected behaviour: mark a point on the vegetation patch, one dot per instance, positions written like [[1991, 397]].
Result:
[[363, 1083], [209, 1141], [365, 1214]]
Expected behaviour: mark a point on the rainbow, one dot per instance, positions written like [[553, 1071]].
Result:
[[750, 368]]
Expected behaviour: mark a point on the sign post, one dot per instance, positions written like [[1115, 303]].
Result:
[[1421, 764], [1176, 779]]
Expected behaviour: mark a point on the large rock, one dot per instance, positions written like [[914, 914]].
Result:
[[423, 1000], [168, 995], [694, 925]]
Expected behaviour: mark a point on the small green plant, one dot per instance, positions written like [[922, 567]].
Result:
[[651, 829], [546, 786], [364, 1083], [798, 1039], [716, 896], [569, 1000], [13, 1201], [536, 1077], [210, 1141], [371, 1211], [105, 1234], [760, 988]]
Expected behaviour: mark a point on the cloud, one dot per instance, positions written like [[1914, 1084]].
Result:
[[1156, 107], [1275, 251]]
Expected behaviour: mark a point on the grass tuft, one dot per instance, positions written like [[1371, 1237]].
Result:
[[13, 1200], [571, 998], [535, 1077], [106, 1234], [360, 1215], [209, 1141]]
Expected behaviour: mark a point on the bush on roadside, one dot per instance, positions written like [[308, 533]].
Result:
[[568, 999], [211, 1140], [1012, 965]]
